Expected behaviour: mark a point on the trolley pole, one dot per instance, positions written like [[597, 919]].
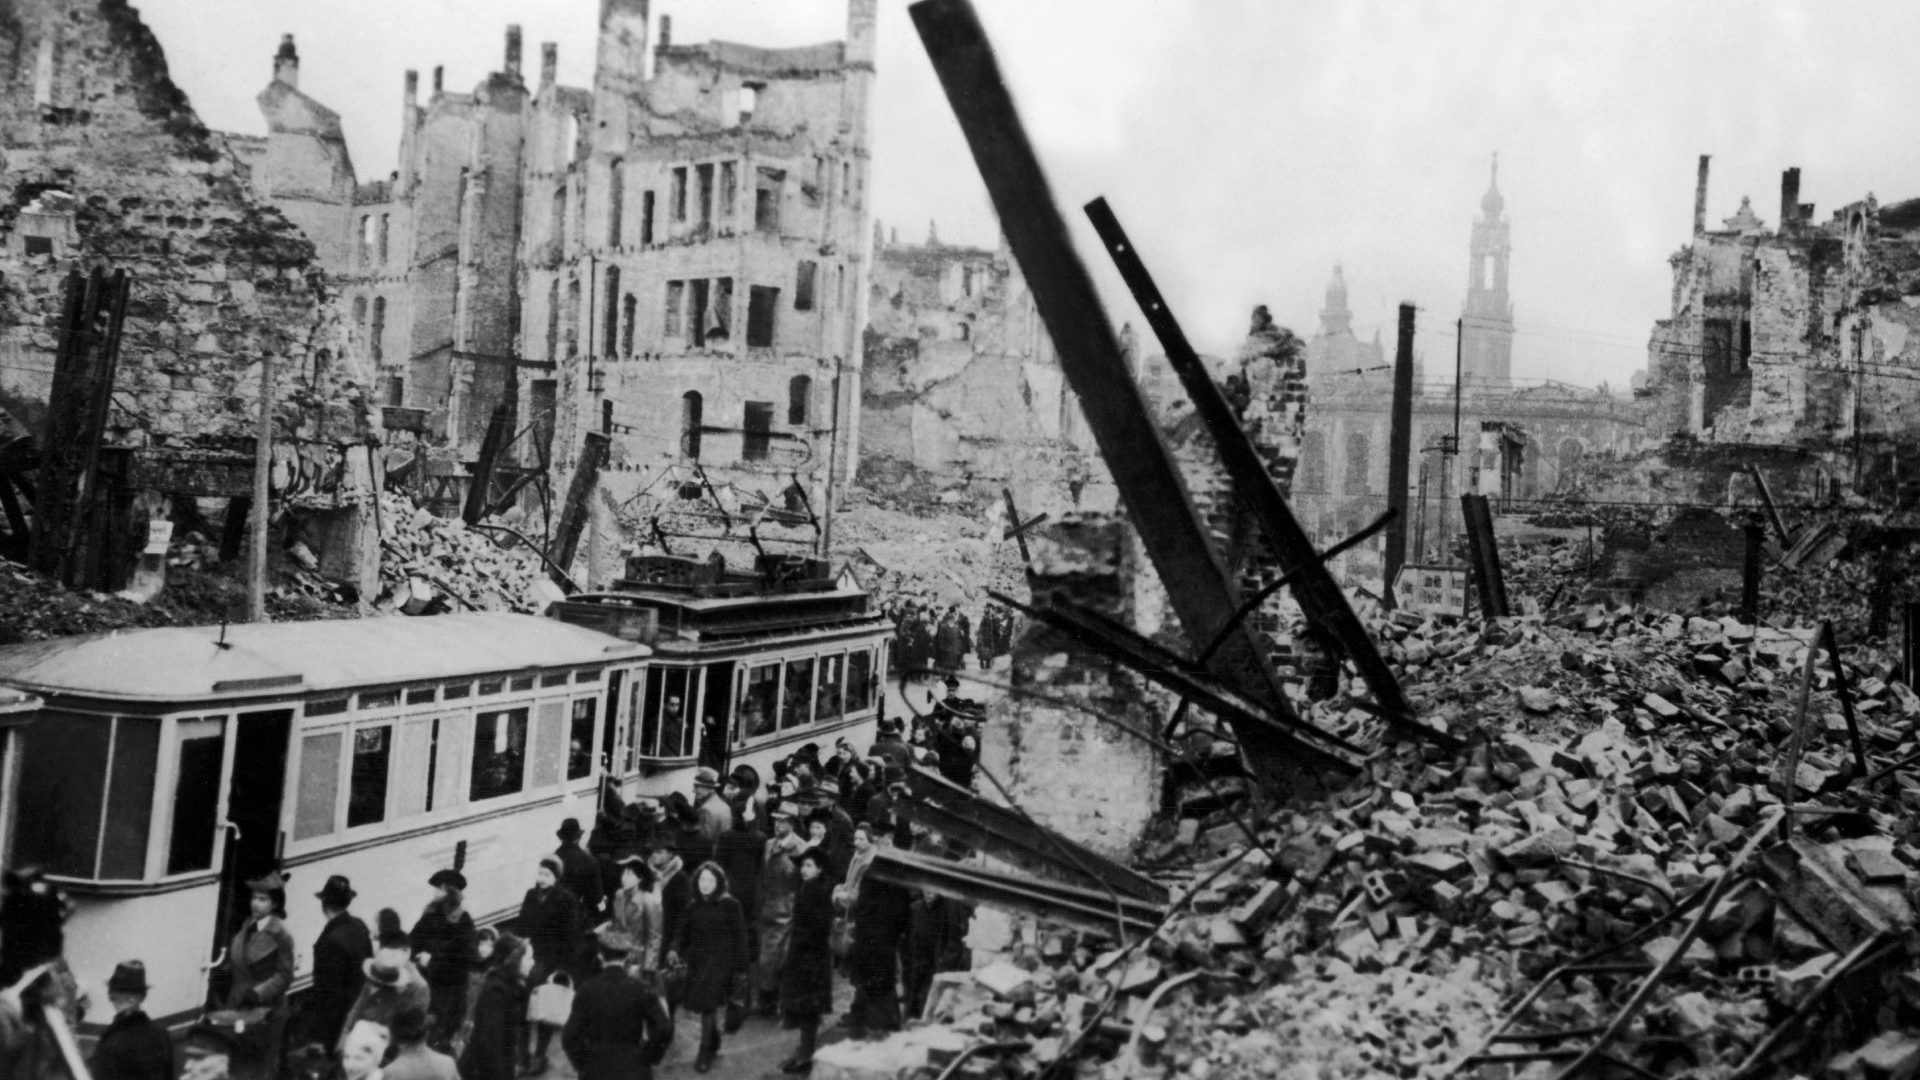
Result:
[[262, 462]]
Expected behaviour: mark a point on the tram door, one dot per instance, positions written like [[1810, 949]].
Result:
[[610, 740], [254, 794]]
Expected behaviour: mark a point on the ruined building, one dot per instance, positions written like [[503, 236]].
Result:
[[675, 255], [1798, 336], [962, 387], [107, 165]]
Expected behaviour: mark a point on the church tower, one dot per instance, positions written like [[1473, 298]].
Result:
[[1486, 354], [1336, 319]]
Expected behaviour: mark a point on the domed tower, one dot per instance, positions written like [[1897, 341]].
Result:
[[1486, 353]]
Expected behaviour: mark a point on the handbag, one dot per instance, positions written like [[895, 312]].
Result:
[[552, 1001], [841, 937], [673, 982]]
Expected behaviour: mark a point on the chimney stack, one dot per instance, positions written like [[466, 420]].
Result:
[[1790, 198], [549, 63], [666, 31], [1700, 198], [286, 63], [439, 77], [513, 50], [413, 88]]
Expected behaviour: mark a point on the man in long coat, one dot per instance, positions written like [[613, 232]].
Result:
[[133, 1047], [779, 878], [343, 946], [618, 1029]]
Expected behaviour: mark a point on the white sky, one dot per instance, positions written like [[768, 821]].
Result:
[[1249, 145]]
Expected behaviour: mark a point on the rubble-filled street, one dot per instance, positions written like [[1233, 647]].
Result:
[[524, 571]]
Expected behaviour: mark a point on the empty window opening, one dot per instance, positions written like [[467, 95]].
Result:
[[39, 245], [616, 202], [766, 199], [677, 197], [749, 100], [729, 183], [368, 229], [799, 391], [703, 175], [611, 314], [628, 307], [762, 303], [646, 218], [672, 323], [396, 390], [553, 320], [377, 344], [697, 297], [557, 221], [691, 408], [720, 312], [803, 286], [386, 228], [570, 318], [757, 420]]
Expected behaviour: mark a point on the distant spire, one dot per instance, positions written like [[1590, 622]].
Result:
[[1492, 202], [1336, 317]]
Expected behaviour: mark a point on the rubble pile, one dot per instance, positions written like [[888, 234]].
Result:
[[34, 607], [424, 559]]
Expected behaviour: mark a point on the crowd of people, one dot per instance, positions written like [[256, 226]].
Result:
[[731, 900], [939, 639]]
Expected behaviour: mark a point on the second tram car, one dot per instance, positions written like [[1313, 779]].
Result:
[[746, 667]]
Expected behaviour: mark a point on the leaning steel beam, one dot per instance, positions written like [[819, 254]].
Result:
[[1065, 904], [953, 811], [1202, 591], [1321, 749], [1319, 595]]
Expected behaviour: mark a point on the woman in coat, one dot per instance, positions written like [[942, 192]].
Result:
[[444, 947], [261, 956], [806, 979], [551, 919], [712, 937], [499, 1035], [636, 913]]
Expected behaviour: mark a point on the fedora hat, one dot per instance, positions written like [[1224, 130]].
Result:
[[271, 882], [786, 810], [337, 892], [569, 829], [448, 877], [380, 973], [128, 978], [705, 777]]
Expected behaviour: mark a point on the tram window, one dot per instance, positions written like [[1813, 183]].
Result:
[[676, 734], [554, 678], [330, 707], [196, 796], [524, 682], [367, 782], [64, 765], [757, 705], [457, 690], [860, 681], [379, 699], [649, 713], [319, 784], [592, 675], [580, 739], [796, 702], [136, 759], [491, 686], [499, 753], [826, 700], [421, 696], [413, 780], [549, 734]]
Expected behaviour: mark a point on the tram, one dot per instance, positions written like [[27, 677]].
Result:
[[747, 665], [168, 766]]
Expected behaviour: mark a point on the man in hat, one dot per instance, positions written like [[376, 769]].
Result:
[[338, 954], [779, 880], [618, 1029], [883, 808], [133, 1047], [208, 1052], [579, 871], [716, 817], [414, 1059]]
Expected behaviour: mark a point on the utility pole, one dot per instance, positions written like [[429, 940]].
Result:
[[262, 462], [833, 465], [1400, 454]]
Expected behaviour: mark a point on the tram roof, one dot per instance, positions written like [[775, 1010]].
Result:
[[189, 663]]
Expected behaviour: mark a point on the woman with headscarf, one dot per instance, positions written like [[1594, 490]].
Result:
[[636, 913], [550, 917], [393, 982], [499, 1035], [444, 947], [806, 978], [712, 938]]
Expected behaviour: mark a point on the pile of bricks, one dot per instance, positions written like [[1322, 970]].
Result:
[[430, 563]]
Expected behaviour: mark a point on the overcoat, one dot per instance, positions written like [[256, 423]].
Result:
[[712, 942], [499, 1029], [806, 981], [617, 1031]]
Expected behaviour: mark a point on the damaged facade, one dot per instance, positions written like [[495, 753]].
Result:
[[961, 383], [109, 167], [674, 256], [1797, 335]]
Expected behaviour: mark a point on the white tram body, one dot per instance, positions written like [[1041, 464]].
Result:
[[168, 766], [771, 660]]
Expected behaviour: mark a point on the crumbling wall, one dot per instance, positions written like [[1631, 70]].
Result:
[[1070, 742]]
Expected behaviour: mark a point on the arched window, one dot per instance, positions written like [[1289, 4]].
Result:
[[376, 338], [1311, 478], [360, 314], [616, 202], [1357, 465], [628, 307], [367, 227], [799, 394], [690, 412]]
